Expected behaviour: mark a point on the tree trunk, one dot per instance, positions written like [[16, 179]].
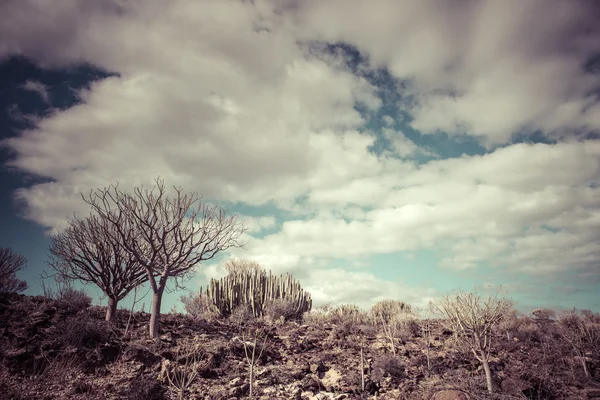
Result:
[[155, 315], [111, 309], [488, 372]]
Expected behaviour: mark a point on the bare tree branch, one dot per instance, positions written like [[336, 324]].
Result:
[[89, 250], [168, 235], [10, 264]]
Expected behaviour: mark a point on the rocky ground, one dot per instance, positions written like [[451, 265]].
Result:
[[51, 350]]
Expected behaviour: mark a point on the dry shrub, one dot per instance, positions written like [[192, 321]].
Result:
[[241, 315], [388, 365], [317, 316], [347, 313], [543, 314], [75, 299], [581, 332], [185, 368], [198, 306], [386, 310], [408, 326], [81, 332], [62, 368], [67, 296], [280, 308]]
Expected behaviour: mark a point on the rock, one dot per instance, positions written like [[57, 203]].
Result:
[[235, 382], [331, 380], [239, 391], [450, 395], [167, 337], [310, 383]]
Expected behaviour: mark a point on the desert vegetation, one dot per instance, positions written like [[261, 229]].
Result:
[[254, 334], [59, 346]]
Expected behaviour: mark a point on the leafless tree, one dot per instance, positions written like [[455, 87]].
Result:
[[239, 266], [88, 251], [10, 264], [473, 319], [168, 236]]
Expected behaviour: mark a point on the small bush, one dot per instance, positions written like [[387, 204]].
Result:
[[386, 310], [543, 314], [346, 313], [74, 299], [276, 309], [318, 315], [241, 314], [198, 306], [81, 332], [68, 297], [388, 365], [408, 326]]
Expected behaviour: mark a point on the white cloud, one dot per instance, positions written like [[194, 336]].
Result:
[[336, 286], [483, 209], [488, 68], [258, 224], [403, 146], [388, 121], [39, 88]]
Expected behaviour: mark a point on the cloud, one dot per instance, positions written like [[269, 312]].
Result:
[[388, 121], [529, 208], [258, 224], [403, 146], [39, 88], [487, 68], [336, 286]]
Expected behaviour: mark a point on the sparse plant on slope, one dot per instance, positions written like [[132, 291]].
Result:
[[395, 319], [581, 330], [345, 313], [69, 297], [254, 344], [198, 306], [88, 251], [426, 332], [318, 315], [183, 371], [10, 264], [168, 235], [473, 319], [386, 310]]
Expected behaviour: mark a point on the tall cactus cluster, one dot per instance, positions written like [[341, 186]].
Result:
[[256, 289]]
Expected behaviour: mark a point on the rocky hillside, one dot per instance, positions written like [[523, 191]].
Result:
[[54, 350]]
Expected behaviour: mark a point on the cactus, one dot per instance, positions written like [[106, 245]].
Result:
[[255, 289]]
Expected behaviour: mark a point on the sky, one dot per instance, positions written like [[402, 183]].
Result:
[[375, 149]]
